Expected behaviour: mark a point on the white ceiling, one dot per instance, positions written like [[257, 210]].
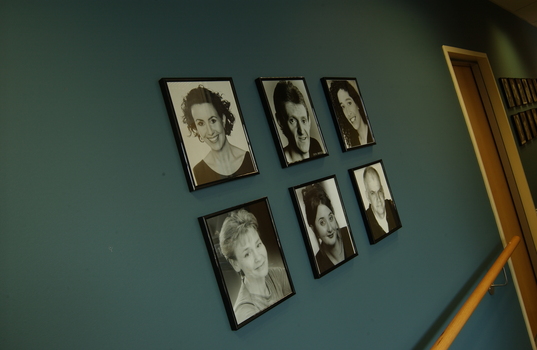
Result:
[[525, 9]]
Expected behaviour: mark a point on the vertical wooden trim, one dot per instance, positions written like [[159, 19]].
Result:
[[511, 162]]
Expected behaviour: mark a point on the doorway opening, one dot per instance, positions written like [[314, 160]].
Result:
[[501, 167]]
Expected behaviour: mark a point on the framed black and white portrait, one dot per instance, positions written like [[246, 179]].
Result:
[[527, 90], [514, 91], [520, 132], [532, 90], [526, 125], [209, 130], [324, 224], [292, 119], [521, 91], [532, 113], [349, 113], [507, 92], [376, 200], [531, 123], [248, 260]]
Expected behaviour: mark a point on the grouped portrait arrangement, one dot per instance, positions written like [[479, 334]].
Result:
[[376, 200], [519, 91], [292, 119], [324, 223], [209, 130], [248, 260], [349, 113], [242, 241], [525, 124]]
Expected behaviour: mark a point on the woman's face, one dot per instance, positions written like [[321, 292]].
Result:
[[250, 255], [350, 109], [210, 125], [326, 226]]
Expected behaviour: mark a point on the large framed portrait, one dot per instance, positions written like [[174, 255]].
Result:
[[209, 130], [507, 92], [349, 113], [520, 132], [292, 119], [324, 223], [248, 260], [376, 200]]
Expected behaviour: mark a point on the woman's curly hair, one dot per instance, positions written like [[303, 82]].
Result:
[[201, 95]]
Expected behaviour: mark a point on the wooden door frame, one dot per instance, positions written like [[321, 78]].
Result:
[[507, 150]]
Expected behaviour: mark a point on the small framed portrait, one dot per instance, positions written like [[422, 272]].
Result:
[[521, 134], [507, 92], [521, 91], [531, 122], [533, 113], [292, 119], [514, 91], [324, 223], [526, 125], [527, 90], [209, 130], [349, 113], [248, 260], [376, 200], [533, 92]]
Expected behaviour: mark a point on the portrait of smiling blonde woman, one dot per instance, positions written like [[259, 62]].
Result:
[[262, 284]]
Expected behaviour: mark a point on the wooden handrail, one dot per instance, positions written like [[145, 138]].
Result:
[[455, 326]]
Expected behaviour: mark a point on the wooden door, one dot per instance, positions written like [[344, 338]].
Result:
[[501, 198]]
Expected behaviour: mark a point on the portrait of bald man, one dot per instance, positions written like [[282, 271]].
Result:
[[380, 209]]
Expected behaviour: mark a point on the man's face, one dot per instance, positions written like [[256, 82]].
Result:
[[298, 127], [375, 195]]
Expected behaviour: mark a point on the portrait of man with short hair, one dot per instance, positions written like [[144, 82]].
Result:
[[292, 118]]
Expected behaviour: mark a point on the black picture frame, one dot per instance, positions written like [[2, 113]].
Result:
[[527, 90], [533, 82], [521, 134], [526, 125], [199, 154], [348, 112], [300, 139], [521, 91], [377, 185], [514, 90], [507, 92], [533, 114], [531, 122], [325, 226], [532, 90], [260, 253]]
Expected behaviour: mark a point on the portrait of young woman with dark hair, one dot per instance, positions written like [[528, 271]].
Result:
[[331, 243], [350, 113]]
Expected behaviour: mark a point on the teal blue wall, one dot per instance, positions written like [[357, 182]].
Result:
[[100, 247]]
